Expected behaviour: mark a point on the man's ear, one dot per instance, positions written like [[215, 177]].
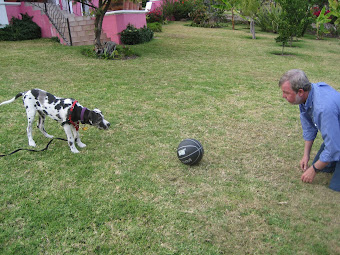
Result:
[[301, 92]]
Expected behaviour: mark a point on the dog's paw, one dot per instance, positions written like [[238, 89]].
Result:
[[81, 145], [32, 143], [74, 150]]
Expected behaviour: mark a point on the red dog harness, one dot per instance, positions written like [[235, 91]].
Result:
[[76, 125]]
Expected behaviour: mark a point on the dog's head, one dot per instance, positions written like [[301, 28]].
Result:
[[96, 118]]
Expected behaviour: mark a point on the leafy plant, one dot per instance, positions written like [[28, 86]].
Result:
[[284, 34], [205, 15], [294, 19], [120, 52], [155, 26], [20, 29], [178, 10], [268, 17], [182, 9], [55, 39], [110, 55], [320, 21], [334, 6], [168, 9], [155, 16], [132, 35], [226, 5]]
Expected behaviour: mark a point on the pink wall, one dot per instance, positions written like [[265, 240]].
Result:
[[77, 9], [156, 4], [116, 22], [42, 20]]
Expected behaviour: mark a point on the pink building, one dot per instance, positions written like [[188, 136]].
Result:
[[73, 24]]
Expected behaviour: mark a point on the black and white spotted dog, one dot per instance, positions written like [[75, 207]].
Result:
[[67, 111]]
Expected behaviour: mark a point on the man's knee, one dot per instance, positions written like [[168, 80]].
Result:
[[335, 181]]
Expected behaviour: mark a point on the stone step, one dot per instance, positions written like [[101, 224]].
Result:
[[81, 27]]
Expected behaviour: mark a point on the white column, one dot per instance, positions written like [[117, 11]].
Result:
[[3, 14]]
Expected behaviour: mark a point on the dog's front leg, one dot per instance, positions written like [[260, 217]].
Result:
[[70, 138], [77, 138]]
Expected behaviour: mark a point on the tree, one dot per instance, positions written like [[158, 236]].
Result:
[[284, 34], [227, 5], [250, 8], [294, 19], [99, 13]]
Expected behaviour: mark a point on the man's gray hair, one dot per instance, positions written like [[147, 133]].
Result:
[[297, 79]]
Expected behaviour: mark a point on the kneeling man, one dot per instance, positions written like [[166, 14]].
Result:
[[319, 111]]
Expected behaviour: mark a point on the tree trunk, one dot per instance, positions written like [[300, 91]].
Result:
[[103, 6], [232, 18], [97, 32], [252, 28]]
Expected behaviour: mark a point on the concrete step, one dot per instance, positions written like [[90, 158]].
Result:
[[81, 27]]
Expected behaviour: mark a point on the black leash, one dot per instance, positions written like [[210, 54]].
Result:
[[34, 150]]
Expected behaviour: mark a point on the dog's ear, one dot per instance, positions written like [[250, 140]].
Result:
[[91, 117], [94, 116]]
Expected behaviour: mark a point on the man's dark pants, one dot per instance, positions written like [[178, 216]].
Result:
[[332, 167]]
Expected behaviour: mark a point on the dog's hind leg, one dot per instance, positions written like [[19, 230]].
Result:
[[30, 118], [41, 125], [70, 138]]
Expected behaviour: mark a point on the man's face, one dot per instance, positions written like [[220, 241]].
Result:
[[290, 95]]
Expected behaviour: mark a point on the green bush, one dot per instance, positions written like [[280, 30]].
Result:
[[155, 26], [132, 35], [155, 16], [204, 15], [144, 3], [268, 18], [178, 10], [182, 9], [20, 29], [121, 52]]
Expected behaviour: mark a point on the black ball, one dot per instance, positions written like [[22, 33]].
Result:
[[190, 151]]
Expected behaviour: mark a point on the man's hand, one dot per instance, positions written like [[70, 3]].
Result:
[[304, 163], [308, 175]]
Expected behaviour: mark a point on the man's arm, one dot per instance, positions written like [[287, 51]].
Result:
[[306, 155], [309, 174]]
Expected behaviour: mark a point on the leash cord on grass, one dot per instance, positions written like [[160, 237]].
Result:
[[3, 155]]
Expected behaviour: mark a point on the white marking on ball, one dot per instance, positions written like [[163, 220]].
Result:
[[181, 152]]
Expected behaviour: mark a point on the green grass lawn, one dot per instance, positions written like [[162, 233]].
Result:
[[126, 192]]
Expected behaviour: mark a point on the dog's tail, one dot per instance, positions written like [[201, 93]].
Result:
[[12, 100]]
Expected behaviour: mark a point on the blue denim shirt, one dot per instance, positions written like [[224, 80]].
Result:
[[322, 112]]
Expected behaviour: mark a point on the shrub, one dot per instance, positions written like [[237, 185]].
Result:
[[144, 3], [268, 18], [120, 52], [132, 35], [177, 9], [168, 9], [155, 16], [182, 9], [155, 27], [204, 15], [55, 39], [20, 29]]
